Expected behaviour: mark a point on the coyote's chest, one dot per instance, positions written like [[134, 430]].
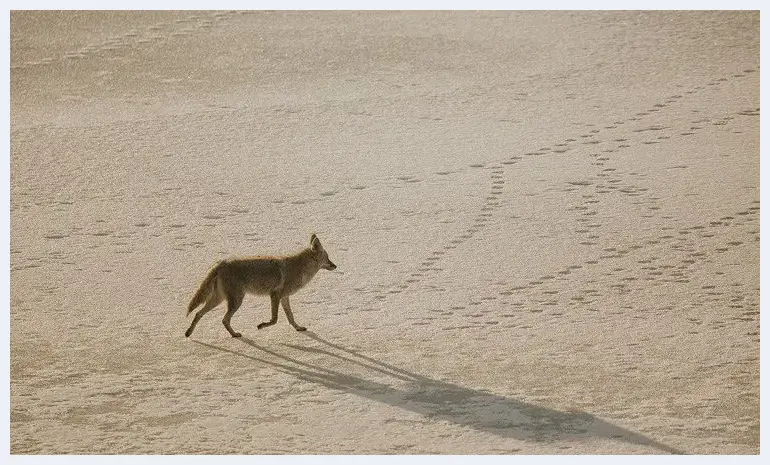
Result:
[[297, 279]]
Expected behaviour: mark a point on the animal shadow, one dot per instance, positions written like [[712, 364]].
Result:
[[439, 400]]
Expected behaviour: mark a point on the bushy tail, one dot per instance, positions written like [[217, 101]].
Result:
[[205, 290]]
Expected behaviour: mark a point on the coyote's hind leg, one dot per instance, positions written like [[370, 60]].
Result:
[[233, 302], [213, 301]]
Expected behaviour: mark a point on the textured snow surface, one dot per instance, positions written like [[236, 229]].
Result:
[[546, 226]]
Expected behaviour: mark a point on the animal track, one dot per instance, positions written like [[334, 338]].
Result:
[[661, 273], [608, 180], [157, 33]]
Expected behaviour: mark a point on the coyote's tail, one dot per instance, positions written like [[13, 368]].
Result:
[[206, 288]]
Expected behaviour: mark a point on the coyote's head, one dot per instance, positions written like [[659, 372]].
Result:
[[320, 253]]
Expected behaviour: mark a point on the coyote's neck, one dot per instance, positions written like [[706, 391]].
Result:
[[306, 263]]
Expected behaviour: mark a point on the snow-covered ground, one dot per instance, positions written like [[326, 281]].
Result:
[[546, 226]]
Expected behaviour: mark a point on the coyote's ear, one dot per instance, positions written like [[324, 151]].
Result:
[[315, 244]]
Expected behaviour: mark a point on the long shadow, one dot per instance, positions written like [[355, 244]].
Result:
[[439, 400]]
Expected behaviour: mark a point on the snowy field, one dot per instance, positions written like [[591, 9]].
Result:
[[546, 227]]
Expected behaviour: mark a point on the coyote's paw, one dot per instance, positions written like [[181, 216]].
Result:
[[236, 334], [300, 328], [262, 325]]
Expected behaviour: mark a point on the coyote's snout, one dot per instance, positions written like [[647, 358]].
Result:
[[279, 277]]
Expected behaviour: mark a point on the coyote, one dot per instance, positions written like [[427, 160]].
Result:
[[278, 277]]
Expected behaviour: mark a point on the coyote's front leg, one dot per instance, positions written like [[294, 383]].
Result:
[[287, 309], [274, 300]]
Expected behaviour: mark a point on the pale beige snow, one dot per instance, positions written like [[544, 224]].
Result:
[[546, 226]]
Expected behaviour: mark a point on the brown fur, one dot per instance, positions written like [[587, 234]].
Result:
[[279, 277]]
